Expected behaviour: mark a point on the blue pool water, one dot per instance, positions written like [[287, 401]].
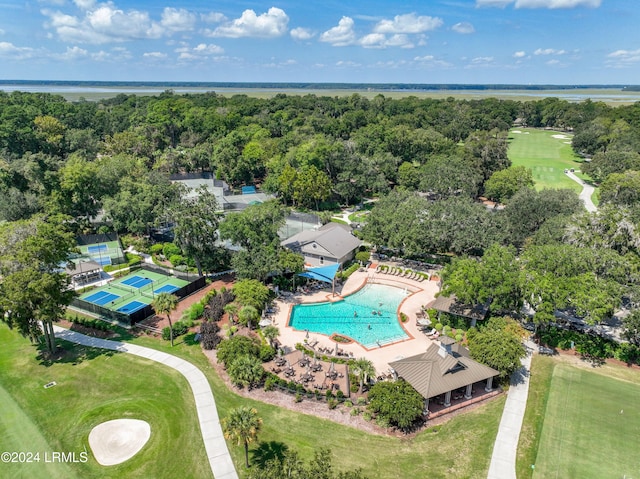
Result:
[[354, 316]]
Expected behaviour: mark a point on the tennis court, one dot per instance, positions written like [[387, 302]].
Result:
[[131, 307], [104, 253], [167, 288], [134, 291], [137, 281], [101, 298], [97, 248]]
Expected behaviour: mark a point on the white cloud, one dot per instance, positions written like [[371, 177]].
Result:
[[408, 23], [1, 31], [301, 34], [271, 24], [340, 35], [519, 54], [213, 17], [379, 40], [493, 3], [104, 24], [177, 20], [117, 54], [553, 62], [348, 63], [551, 4], [430, 61], [199, 52], [82, 4], [549, 51], [10, 51], [464, 28], [557, 3], [73, 53], [623, 58], [155, 55], [481, 62]]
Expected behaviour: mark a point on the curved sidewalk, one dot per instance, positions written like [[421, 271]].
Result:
[[585, 194], [214, 443], [503, 459]]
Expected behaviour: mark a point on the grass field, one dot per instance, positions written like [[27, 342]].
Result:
[[584, 423], [546, 156], [95, 387], [460, 448]]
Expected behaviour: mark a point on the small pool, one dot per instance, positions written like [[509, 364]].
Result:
[[369, 316]]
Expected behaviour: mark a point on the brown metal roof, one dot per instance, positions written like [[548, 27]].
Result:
[[441, 369], [451, 305]]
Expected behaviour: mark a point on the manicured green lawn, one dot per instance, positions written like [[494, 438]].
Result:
[[590, 424], [99, 386], [546, 156], [94, 386], [460, 448]]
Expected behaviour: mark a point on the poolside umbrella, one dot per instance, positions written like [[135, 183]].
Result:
[[332, 368], [336, 352]]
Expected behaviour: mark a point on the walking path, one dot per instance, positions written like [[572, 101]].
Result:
[[503, 459], [214, 443], [585, 194]]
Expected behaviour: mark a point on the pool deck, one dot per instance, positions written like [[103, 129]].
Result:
[[422, 293]]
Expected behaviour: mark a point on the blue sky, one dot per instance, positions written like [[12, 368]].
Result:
[[448, 41]]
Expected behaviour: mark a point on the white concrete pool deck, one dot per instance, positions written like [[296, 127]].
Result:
[[422, 293]]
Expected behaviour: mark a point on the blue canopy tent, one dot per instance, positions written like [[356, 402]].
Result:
[[326, 274]]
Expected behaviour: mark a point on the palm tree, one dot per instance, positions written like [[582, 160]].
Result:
[[271, 333], [231, 309], [242, 426], [363, 368], [166, 303], [248, 314]]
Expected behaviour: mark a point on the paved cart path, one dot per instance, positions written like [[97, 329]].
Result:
[[214, 443], [503, 459]]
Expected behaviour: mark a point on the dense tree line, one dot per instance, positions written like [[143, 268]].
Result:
[[428, 160]]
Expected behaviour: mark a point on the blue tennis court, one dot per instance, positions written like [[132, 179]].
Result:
[[102, 260], [97, 248], [137, 281], [131, 307], [167, 288], [101, 298]]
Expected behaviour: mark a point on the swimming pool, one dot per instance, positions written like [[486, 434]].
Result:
[[369, 316]]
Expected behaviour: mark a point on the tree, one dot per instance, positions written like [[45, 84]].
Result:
[[503, 184], [246, 370], [251, 292], [311, 186], [247, 315], [397, 402], [621, 189], [364, 369], [498, 345], [631, 325], [196, 224], [242, 426], [166, 303], [33, 291], [231, 309], [271, 333], [238, 345]]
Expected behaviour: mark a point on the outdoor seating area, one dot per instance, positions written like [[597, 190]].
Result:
[[310, 372], [403, 273]]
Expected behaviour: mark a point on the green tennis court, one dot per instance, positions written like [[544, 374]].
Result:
[[134, 291]]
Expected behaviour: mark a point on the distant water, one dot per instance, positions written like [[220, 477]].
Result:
[[92, 91]]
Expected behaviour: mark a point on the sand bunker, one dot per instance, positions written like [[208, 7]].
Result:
[[116, 441], [516, 131], [560, 137]]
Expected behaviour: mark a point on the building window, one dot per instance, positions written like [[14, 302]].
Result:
[[321, 259]]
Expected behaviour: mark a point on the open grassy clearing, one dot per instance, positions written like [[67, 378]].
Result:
[[580, 422], [546, 156], [94, 386]]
